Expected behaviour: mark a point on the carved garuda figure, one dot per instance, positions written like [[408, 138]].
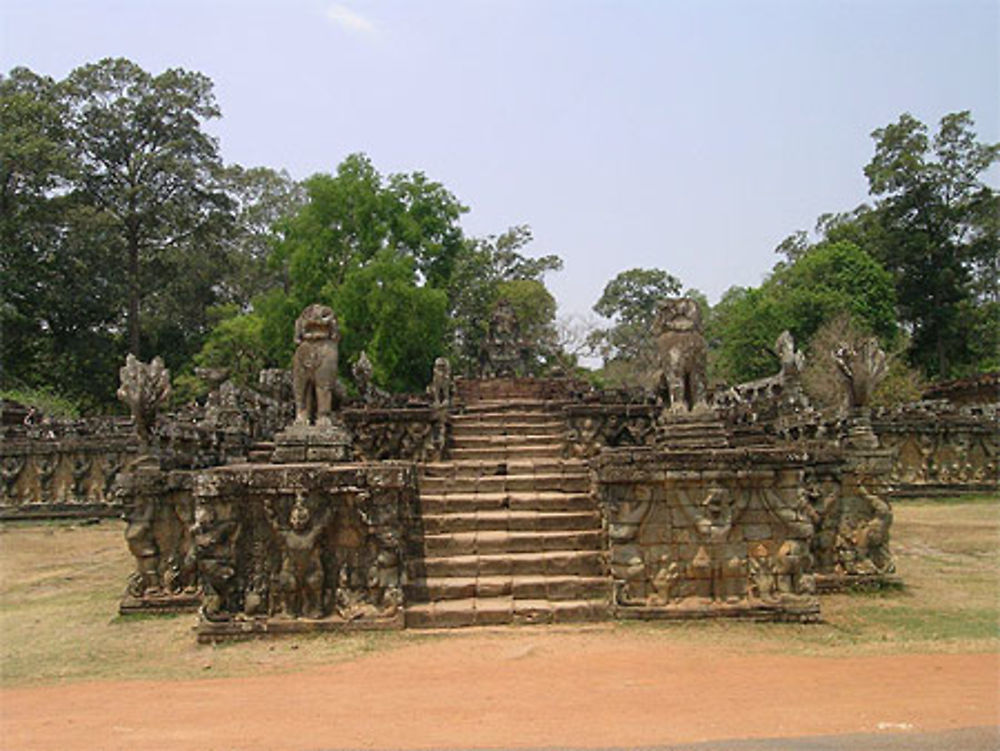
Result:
[[302, 578], [682, 354], [143, 388], [314, 366]]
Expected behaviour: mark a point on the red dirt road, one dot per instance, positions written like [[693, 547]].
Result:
[[524, 689]]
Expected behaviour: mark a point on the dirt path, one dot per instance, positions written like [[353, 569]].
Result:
[[524, 688]]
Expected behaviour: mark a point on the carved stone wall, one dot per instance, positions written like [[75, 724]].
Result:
[[938, 448], [63, 468], [159, 512], [411, 434], [289, 548], [697, 534], [592, 427]]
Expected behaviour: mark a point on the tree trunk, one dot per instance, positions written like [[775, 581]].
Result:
[[133, 296]]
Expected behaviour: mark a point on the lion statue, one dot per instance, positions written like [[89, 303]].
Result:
[[682, 354], [318, 392]]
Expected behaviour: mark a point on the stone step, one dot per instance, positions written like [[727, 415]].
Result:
[[509, 420], [518, 587], [459, 502], [508, 404], [512, 521], [549, 563], [517, 466], [507, 453], [501, 610], [491, 440], [488, 542], [521, 483]]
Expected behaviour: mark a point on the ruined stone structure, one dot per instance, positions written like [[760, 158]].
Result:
[[708, 533], [501, 500]]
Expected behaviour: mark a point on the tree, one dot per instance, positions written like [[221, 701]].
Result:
[[263, 199], [380, 251], [825, 281], [487, 269], [353, 215], [630, 301], [59, 296], [938, 219], [400, 325], [144, 162]]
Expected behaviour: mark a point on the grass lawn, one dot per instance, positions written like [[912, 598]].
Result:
[[60, 584]]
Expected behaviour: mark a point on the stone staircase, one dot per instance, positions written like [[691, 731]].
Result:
[[511, 532]]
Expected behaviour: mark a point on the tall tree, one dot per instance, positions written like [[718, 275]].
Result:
[[939, 233], [486, 269], [826, 281], [630, 301], [144, 161], [59, 296]]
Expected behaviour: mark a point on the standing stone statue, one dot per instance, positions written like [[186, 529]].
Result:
[[682, 354], [504, 353], [861, 369], [441, 388], [363, 373], [317, 432], [143, 388], [318, 392]]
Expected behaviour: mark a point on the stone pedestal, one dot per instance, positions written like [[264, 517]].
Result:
[[312, 443]]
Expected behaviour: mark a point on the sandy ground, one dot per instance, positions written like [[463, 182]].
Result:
[[516, 689]]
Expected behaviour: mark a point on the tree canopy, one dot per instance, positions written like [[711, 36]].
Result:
[[938, 222]]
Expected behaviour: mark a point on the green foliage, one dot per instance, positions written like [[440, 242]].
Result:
[[117, 230], [630, 301], [487, 269], [143, 160], [822, 283], [400, 325], [741, 330], [44, 401], [939, 238], [236, 343], [351, 217]]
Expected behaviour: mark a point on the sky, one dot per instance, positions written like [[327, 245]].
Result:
[[687, 136]]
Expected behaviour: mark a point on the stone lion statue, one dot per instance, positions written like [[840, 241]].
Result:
[[317, 390], [682, 354]]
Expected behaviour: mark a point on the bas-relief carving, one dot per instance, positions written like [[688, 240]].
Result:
[[314, 549], [689, 545], [505, 353]]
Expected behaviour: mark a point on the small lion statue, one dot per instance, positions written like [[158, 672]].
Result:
[[682, 354], [318, 392]]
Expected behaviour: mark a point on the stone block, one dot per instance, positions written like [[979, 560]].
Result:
[[757, 532]]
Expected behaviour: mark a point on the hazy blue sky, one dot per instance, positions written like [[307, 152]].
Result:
[[690, 136]]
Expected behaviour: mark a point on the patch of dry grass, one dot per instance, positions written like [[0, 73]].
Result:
[[59, 591], [60, 585]]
